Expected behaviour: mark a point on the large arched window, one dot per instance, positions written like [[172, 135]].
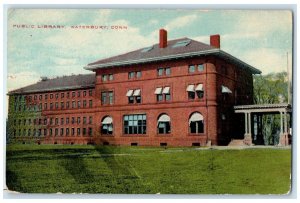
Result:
[[196, 123], [107, 126], [163, 124]]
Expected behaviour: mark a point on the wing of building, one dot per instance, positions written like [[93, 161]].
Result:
[[177, 92]]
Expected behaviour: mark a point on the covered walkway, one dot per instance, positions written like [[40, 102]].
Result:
[[258, 111]]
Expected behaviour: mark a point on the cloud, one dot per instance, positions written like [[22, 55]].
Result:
[[267, 60], [21, 79], [180, 22]]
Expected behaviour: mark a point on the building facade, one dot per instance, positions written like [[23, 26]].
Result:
[[175, 93]]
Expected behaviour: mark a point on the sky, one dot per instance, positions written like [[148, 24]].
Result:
[[261, 38]]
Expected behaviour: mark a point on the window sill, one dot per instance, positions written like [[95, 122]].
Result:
[[134, 135], [164, 135], [196, 134]]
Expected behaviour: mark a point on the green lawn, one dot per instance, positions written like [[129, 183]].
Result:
[[145, 170]]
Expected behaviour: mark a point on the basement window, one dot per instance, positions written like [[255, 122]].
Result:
[[163, 144], [196, 144], [134, 144]]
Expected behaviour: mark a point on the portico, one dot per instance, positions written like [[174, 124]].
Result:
[[258, 111]]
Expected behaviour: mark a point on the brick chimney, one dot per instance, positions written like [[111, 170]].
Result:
[[163, 38], [215, 41]]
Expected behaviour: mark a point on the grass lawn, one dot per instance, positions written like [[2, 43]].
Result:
[[146, 170]]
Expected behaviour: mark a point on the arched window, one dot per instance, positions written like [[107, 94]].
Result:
[[107, 126], [196, 123], [163, 124]]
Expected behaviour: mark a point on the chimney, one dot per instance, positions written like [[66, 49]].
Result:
[[163, 38], [215, 41]]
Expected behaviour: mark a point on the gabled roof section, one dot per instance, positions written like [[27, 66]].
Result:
[[172, 51], [59, 83]]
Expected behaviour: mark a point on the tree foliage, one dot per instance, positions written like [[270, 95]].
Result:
[[270, 88]]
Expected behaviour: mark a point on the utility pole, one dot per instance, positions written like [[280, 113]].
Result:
[[288, 76]]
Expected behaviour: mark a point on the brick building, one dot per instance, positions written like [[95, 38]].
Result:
[[177, 93]]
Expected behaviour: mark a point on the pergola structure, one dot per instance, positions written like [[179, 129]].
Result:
[[259, 110]]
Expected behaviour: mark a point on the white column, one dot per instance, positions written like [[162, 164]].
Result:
[[249, 121], [285, 122], [281, 122], [246, 124]]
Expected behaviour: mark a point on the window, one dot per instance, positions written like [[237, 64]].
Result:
[[68, 94], [29, 121], [40, 106], [90, 103], [107, 126], [45, 106], [45, 132], [196, 124], [46, 97], [163, 124], [73, 131], [168, 71], [24, 122], [90, 120], [62, 121], [50, 132], [78, 131], [56, 131], [73, 104], [191, 68], [51, 96], [29, 132], [107, 97], [78, 94], [73, 120], [67, 131], [73, 94], [62, 105], [162, 93], [194, 90], [40, 97], [78, 104], [51, 121], [40, 132], [40, 121], [84, 93], [194, 68], [164, 71], [90, 132], [107, 77], [104, 78], [62, 95], [61, 132], [135, 124], [67, 104], [78, 120], [200, 67], [134, 96], [67, 120], [84, 120], [84, 131], [35, 98], [134, 74], [56, 121], [84, 103], [51, 106], [160, 71], [56, 96], [90, 92], [56, 105], [45, 121]]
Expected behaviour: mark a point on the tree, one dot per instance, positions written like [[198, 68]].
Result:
[[270, 89]]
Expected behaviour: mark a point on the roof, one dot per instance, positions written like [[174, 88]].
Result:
[[59, 83], [149, 54], [263, 108]]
